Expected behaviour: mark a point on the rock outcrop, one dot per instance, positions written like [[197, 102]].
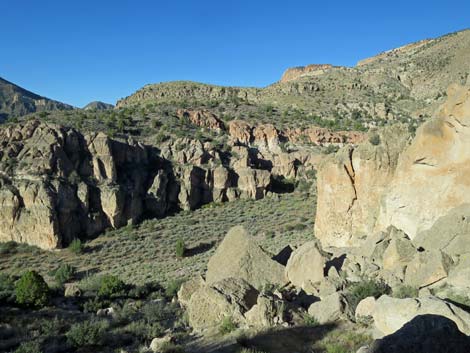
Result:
[[392, 182], [57, 184], [294, 73]]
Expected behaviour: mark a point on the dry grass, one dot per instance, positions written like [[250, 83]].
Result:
[[146, 253]]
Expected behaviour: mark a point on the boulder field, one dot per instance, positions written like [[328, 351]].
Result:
[[391, 251]]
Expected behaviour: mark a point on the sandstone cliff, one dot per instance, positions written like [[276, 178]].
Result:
[[394, 182]]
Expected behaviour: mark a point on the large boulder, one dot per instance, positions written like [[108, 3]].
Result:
[[239, 256], [426, 268], [390, 314], [306, 266], [424, 334], [329, 309], [210, 304]]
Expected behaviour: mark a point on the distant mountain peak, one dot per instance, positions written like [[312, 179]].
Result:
[[16, 101]]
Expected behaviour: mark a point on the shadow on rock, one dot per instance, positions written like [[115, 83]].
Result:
[[424, 334]]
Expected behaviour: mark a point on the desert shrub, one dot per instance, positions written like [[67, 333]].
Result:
[[29, 347], [250, 350], [7, 288], [169, 347], [95, 304], [335, 348], [76, 246], [32, 290], [8, 248], [331, 149], [173, 287], [180, 248], [87, 333], [64, 273], [310, 320], [144, 331], [227, 325], [365, 288], [374, 139], [111, 286], [404, 291], [91, 283]]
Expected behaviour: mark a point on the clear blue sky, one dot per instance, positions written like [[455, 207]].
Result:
[[77, 51]]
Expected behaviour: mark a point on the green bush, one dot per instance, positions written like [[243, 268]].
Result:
[[111, 286], [180, 248], [29, 347], [405, 292], [365, 288], [227, 325], [64, 273], [173, 287], [95, 304], [31, 290], [310, 320], [87, 333], [8, 248], [7, 288], [76, 246]]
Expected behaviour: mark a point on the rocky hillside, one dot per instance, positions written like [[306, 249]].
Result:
[[404, 83], [16, 101], [58, 183], [98, 106]]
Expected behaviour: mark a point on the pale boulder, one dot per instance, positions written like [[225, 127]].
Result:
[[391, 314], [239, 256], [306, 266]]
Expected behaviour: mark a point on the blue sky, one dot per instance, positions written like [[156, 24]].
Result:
[[77, 51]]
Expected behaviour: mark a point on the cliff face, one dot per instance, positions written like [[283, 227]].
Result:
[[57, 184], [407, 185], [294, 73]]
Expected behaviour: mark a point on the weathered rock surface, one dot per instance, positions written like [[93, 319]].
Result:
[[329, 309], [391, 314], [230, 297], [427, 268], [410, 186], [306, 266], [238, 256], [351, 185]]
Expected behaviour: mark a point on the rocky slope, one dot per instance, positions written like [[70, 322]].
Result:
[[16, 101], [406, 82]]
